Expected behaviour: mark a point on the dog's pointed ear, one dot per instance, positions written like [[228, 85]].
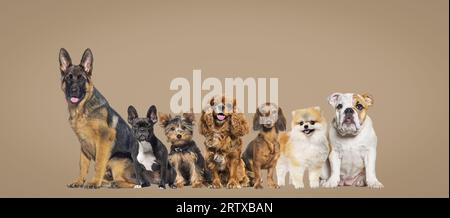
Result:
[[368, 98], [256, 120], [281, 121], [164, 119], [152, 114], [333, 98], [132, 114], [64, 61], [87, 61], [190, 117]]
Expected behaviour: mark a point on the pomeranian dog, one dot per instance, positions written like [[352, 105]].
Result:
[[305, 147]]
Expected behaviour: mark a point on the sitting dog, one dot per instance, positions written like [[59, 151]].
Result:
[[152, 155], [184, 156], [104, 136], [223, 126], [353, 142], [263, 152], [305, 147]]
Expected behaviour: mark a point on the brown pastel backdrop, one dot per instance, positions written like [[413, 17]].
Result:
[[397, 50]]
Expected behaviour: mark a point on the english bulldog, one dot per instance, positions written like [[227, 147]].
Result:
[[353, 142]]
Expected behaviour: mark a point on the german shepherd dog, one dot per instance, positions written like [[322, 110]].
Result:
[[104, 136]]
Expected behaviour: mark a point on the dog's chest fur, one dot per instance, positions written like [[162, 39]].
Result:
[[352, 150], [146, 156], [308, 151], [91, 129]]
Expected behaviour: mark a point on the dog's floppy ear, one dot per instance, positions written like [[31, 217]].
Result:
[[333, 98], [164, 119], [64, 60], [281, 121], [132, 114], [86, 61], [368, 98], [152, 114], [190, 117], [256, 120]]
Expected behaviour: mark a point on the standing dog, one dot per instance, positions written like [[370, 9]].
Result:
[[263, 152], [184, 156], [305, 147], [353, 142], [152, 152], [104, 136], [223, 126]]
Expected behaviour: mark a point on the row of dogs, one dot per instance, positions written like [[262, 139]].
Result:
[[131, 156]]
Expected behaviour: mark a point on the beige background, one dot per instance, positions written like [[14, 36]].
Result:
[[396, 50]]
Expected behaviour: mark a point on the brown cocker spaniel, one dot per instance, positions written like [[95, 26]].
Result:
[[223, 126]]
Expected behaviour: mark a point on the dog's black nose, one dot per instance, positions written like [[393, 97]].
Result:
[[179, 136], [349, 111], [306, 127]]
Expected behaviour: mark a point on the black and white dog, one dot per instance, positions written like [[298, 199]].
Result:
[[152, 155]]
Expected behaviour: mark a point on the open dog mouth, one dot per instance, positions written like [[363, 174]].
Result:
[[221, 116], [308, 131]]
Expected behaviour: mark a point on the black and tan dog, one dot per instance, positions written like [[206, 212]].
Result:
[[184, 156], [263, 151], [104, 136]]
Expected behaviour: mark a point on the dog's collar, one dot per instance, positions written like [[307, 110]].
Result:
[[181, 148]]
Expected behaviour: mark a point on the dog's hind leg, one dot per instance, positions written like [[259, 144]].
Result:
[[122, 173]]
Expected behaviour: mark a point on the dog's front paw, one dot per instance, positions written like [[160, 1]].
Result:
[[374, 183], [331, 183], [232, 184], [197, 184], [162, 186], [299, 186], [93, 185], [180, 184], [137, 186], [76, 184], [258, 186], [216, 184]]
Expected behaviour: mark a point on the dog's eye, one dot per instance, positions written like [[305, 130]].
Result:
[[301, 123], [172, 128], [183, 127], [359, 106], [70, 77], [312, 122], [339, 106], [79, 77]]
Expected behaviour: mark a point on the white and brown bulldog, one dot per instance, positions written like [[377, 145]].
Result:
[[353, 141]]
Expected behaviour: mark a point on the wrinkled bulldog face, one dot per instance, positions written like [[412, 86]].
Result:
[[351, 111]]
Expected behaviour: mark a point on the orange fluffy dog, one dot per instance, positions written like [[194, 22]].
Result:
[[223, 126]]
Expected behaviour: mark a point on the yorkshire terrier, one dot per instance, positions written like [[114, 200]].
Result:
[[184, 156]]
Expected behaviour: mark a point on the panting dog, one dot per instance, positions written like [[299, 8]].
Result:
[[184, 156], [152, 153], [305, 147], [263, 151], [353, 141], [223, 126], [104, 136]]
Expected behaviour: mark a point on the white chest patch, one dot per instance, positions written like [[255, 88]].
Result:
[[146, 156]]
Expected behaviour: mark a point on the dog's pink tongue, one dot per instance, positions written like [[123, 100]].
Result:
[[74, 99], [221, 117]]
